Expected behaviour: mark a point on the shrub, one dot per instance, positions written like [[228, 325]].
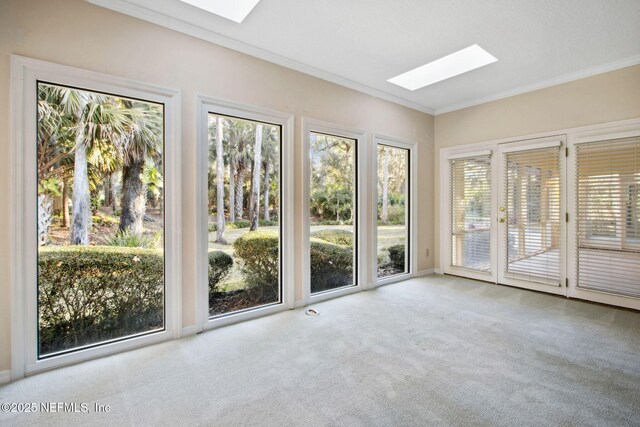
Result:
[[220, 264], [89, 294], [331, 265], [257, 253], [396, 255], [130, 240], [395, 215], [243, 223], [335, 235]]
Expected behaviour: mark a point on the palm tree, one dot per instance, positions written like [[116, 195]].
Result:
[[219, 182], [255, 187], [269, 156], [142, 140], [385, 185]]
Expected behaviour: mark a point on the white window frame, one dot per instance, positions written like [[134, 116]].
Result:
[[363, 221], [464, 152], [411, 214], [206, 105], [595, 133], [25, 74]]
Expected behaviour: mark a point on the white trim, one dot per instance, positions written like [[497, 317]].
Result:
[[566, 78], [205, 105], [412, 215], [363, 169], [25, 72], [176, 24], [464, 152], [607, 131], [190, 330], [5, 377], [572, 137]]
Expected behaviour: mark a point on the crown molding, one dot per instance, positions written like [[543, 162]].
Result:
[[589, 72], [167, 21]]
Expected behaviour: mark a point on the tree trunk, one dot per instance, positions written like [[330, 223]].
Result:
[[240, 190], [219, 183], [45, 217], [253, 168], [133, 198], [385, 186], [112, 195], [267, 217], [81, 218], [107, 191], [255, 193], [232, 190], [65, 203]]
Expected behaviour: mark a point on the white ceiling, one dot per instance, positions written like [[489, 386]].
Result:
[[363, 43]]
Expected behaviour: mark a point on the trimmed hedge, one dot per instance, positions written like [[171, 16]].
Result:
[[396, 255], [257, 254], [331, 265], [89, 294], [220, 264], [335, 236]]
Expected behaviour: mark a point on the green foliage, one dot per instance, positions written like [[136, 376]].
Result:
[[220, 264], [242, 223], [50, 186], [257, 253], [88, 294], [396, 255], [395, 215], [152, 178], [331, 265], [130, 240], [336, 236]]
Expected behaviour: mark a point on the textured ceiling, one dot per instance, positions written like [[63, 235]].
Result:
[[362, 43]]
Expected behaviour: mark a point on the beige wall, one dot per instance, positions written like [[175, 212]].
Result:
[[75, 33], [603, 98]]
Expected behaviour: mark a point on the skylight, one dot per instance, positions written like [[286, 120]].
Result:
[[444, 68], [235, 10]]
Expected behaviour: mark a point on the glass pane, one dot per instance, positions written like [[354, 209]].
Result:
[[393, 203], [332, 211], [244, 214], [100, 218], [470, 213], [533, 213]]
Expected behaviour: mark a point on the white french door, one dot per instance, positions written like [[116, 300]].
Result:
[[559, 214], [531, 218]]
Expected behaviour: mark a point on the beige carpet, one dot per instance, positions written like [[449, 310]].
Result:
[[430, 351]]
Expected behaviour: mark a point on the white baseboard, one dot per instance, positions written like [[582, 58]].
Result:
[[190, 330], [437, 271], [424, 272], [5, 377]]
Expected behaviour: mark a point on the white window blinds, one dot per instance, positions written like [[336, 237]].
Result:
[[533, 234], [471, 212], [608, 223]]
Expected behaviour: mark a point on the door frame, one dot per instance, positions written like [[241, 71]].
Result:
[[526, 145], [574, 135]]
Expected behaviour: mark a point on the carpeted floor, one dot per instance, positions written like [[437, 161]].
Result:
[[429, 351]]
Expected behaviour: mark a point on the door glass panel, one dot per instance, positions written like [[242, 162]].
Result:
[[471, 213], [100, 218], [532, 203], [332, 211], [393, 210], [244, 214]]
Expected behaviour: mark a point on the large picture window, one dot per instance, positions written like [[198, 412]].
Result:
[[100, 218], [332, 211], [244, 266]]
